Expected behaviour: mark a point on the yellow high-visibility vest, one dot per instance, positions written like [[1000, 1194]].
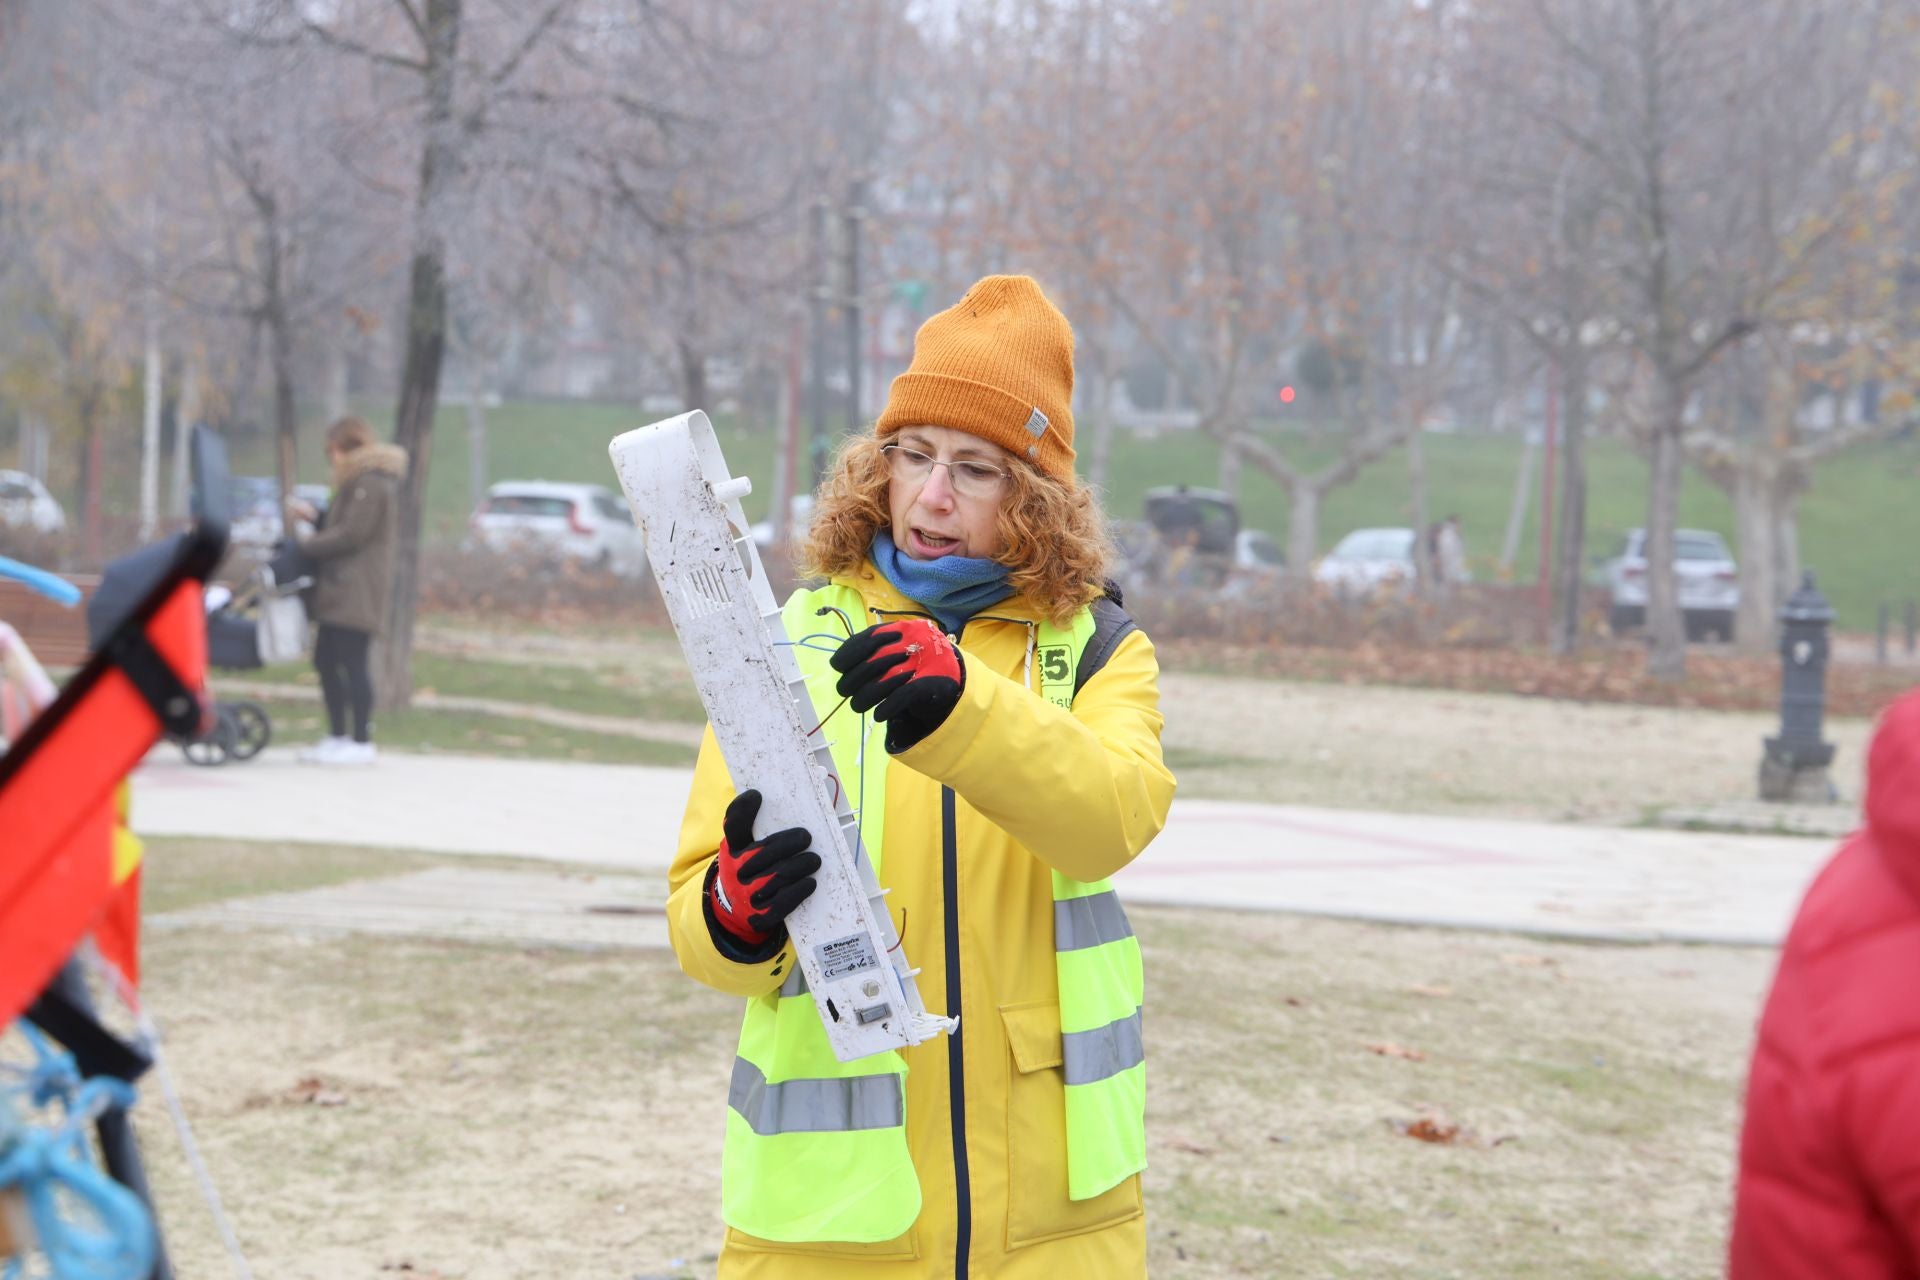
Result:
[[816, 1149]]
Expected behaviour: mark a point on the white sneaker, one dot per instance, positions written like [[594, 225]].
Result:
[[356, 753], [325, 751]]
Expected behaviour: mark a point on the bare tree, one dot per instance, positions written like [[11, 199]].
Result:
[[1683, 94], [468, 65]]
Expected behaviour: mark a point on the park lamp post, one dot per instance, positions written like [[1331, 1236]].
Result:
[[1793, 766]]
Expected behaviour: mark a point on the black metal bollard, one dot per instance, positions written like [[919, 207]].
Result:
[[1793, 766]]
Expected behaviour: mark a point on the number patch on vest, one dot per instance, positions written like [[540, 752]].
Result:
[[1056, 675], [845, 955], [1056, 664]]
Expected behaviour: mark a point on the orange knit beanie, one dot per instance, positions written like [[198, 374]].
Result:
[[998, 364]]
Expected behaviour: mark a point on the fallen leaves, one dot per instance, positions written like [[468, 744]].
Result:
[[1493, 663], [313, 1091], [309, 1091], [1428, 1129], [1436, 1128]]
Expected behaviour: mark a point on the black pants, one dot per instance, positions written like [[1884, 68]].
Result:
[[340, 656]]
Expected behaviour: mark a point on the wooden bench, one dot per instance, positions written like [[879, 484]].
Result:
[[56, 633]]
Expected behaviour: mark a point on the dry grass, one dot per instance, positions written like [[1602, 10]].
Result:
[[1434, 751], [505, 1113], [1284, 741]]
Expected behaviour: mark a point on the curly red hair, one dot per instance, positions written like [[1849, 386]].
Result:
[[1053, 535]]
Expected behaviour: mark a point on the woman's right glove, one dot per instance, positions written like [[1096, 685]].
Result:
[[755, 885]]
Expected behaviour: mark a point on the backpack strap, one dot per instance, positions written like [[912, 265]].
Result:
[[1111, 625]]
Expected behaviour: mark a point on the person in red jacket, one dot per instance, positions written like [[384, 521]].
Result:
[[1829, 1182]]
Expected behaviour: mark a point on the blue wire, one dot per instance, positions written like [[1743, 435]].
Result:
[[51, 585], [45, 1162]]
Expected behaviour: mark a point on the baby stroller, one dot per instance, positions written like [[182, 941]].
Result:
[[264, 622]]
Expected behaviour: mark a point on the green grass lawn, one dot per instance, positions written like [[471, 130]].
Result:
[[1857, 526]]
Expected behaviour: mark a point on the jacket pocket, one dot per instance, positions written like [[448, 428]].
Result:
[[905, 1248], [1037, 1205]]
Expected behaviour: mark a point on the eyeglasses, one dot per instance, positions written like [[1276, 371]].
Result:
[[970, 479]]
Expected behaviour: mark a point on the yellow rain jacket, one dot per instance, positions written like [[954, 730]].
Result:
[[1036, 789]]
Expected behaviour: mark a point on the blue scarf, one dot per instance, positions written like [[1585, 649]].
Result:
[[952, 588]]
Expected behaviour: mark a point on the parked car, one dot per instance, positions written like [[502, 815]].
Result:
[[1255, 552], [1368, 560], [26, 504], [257, 519], [588, 523], [1708, 580]]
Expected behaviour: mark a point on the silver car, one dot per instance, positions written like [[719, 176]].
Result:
[[26, 504], [588, 523], [1367, 561], [1708, 580]]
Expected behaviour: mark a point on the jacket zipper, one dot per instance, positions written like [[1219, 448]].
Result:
[[956, 1053]]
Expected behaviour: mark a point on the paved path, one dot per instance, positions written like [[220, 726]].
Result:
[[1533, 877]]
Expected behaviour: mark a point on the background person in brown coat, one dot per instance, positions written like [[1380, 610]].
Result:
[[355, 553]]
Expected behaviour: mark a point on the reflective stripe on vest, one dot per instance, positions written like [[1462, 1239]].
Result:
[[816, 1149], [1092, 1056], [815, 1106], [1089, 922]]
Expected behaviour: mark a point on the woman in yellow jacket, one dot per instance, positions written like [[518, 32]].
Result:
[[1018, 708]]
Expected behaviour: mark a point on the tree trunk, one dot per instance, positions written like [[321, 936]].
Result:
[[1229, 474], [1666, 630], [1100, 456], [1517, 509], [1786, 551], [335, 391], [1425, 578], [33, 446], [1570, 561], [286, 420], [426, 341], [91, 465], [186, 413], [1755, 523], [693, 374], [1303, 531], [150, 425], [476, 435]]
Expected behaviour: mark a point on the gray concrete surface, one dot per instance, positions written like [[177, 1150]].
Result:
[[573, 911], [1558, 880]]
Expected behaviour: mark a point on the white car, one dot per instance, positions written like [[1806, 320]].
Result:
[[1708, 581], [589, 523], [26, 504], [1368, 560], [1255, 552], [255, 510]]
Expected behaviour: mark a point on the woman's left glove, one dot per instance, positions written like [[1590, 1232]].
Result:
[[907, 673]]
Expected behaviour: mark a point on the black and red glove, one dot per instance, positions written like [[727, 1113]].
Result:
[[755, 885], [907, 673]]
